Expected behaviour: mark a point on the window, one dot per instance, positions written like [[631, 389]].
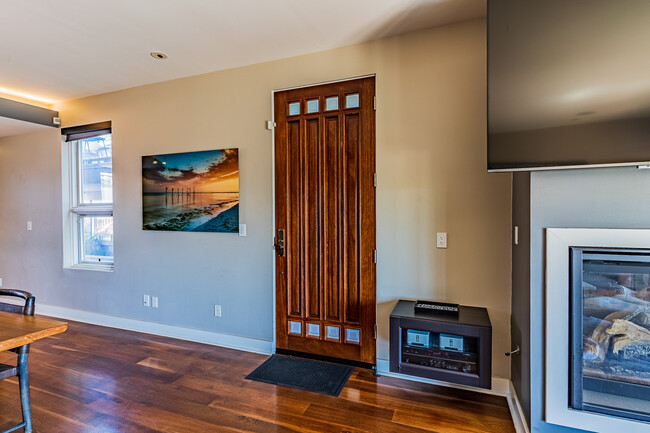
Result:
[[88, 173]]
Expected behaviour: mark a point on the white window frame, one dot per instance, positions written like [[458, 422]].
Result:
[[74, 211]]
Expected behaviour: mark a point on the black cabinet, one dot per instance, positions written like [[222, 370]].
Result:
[[451, 348]]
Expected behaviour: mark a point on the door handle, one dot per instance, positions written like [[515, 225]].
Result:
[[279, 245]]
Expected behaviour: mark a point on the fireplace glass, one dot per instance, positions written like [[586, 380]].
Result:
[[610, 332]]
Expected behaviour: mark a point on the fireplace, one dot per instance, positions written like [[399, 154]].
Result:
[[597, 318], [610, 331]]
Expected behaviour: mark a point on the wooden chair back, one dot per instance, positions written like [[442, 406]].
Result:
[[27, 308]]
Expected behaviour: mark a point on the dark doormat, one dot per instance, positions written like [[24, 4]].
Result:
[[307, 374]]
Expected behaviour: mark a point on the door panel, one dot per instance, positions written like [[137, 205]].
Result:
[[293, 215], [325, 200]]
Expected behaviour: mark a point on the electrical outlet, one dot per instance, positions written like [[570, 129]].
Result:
[[146, 300], [29, 226], [154, 301], [0, 282], [217, 310], [441, 240]]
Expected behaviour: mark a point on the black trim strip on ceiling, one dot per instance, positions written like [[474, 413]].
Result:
[[86, 131], [28, 113]]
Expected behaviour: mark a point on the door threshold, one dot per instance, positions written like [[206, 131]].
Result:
[[351, 363]]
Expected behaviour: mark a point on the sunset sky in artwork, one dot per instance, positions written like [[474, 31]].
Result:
[[203, 171]]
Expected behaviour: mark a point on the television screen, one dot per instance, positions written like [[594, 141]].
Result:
[[568, 83]]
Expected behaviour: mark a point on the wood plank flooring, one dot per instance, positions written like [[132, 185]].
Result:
[[95, 379]]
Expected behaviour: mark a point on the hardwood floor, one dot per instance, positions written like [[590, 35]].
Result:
[[96, 379]]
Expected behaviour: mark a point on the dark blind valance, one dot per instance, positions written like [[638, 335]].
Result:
[[86, 131]]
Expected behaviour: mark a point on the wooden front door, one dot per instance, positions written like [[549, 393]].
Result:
[[325, 219]]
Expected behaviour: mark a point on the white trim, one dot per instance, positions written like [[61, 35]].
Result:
[[275, 230], [517, 413], [500, 386], [106, 267], [556, 337], [190, 334]]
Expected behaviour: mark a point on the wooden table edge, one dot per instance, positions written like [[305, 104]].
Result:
[[30, 338]]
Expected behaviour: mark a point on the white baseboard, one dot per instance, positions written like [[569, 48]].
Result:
[[197, 335], [516, 411], [500, 386]]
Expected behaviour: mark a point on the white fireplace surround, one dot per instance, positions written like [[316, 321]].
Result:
[[558, 241]]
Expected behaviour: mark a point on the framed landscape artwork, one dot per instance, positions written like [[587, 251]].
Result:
[[191, 191]]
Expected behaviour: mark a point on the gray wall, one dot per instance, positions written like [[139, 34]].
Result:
[[520, 318], [431, 157], [188, 271], [590, 198]]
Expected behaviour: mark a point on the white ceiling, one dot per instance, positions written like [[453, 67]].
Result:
[[74, 48]]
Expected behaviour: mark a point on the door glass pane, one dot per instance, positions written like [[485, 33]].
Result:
[[295, 327], [312, 106], [352, 100], [294, 108], [333, 332], [313, 330], [96, 239], [96, 171], [332, 103], [352, 335]]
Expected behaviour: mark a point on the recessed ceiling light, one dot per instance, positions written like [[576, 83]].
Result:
[[158, 55]]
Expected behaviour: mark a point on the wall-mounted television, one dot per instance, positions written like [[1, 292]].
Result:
[[568, 83]]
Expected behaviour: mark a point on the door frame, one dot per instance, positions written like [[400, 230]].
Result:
[[274, 231]]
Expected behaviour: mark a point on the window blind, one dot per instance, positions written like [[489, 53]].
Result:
[[86, 131]]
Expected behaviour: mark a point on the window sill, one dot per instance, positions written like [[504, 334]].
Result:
[[91, 267]]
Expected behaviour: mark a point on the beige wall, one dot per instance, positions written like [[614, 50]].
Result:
[[431, 157]]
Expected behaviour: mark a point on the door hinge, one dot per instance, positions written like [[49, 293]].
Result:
[[374, 180], [374, 102], [375, 331], [374, 256]]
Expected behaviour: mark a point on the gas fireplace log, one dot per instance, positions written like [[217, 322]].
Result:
[[600, 334], [632, 377], [642, 318], [629, 334], [592, 351], [642, 294]]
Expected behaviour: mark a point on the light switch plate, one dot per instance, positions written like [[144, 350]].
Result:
[[242, 229]]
